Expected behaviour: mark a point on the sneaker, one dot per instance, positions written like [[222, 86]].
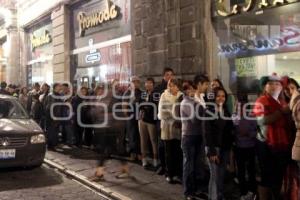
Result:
[[155, 163], [249, 196], [243, 197], [236, 180], [122, 176], [144, 162], [66, 147], [170, 180], [177, 180], [189, 198]]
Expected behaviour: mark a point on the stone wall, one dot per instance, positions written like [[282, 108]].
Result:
[[61, 44], [8, 12], [169, 33]]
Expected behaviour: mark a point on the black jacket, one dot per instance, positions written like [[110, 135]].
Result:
[[161, 87], [148, 107], [219, 133], [84, 112], [50, 100], [132, 101], [37, 111]]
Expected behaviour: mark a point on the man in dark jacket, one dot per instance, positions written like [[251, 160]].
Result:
[[66, 125], [52, 113], [147, 122], [76, 102], [167, 75], [44, 92]]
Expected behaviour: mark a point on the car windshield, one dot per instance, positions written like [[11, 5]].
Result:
[[12, 109]]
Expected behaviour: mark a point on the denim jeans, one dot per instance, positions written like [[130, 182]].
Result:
[[217, 174], [52, 133], [68, 134], [191, 147]]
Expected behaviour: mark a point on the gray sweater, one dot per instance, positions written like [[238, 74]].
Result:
[[190, 111]]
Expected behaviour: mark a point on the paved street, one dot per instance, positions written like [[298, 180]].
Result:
[[41, 184], [141, 184]]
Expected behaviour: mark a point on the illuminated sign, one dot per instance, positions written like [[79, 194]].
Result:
[[38, 41], [248, 6], [289, 38], [246, 67], [87, 21], [93, 56]]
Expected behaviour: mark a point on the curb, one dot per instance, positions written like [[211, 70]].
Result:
[[82, 179]]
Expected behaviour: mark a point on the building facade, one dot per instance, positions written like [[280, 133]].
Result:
[[46, 37], [97, 41], [80, 41], [100, 38], [254, 39]]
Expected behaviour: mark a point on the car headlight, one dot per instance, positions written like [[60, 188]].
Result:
[[37, 139]]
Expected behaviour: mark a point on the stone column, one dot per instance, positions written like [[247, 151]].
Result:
[[13, 72], [61, 44], [149, 37], [23, 57]]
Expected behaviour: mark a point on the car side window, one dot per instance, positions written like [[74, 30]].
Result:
[[4, 109]]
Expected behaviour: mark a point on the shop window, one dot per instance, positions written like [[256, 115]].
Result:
[[251, 46], [114, 63]]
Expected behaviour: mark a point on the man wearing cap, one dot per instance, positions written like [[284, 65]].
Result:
[[131, 98], [271, 112]]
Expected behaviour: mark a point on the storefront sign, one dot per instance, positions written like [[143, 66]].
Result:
[[248, 6], [93, 56], [37, 41], [289, 38], [87, 21], [246, 67]]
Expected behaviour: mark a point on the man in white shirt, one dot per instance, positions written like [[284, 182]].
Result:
[[202, 87]]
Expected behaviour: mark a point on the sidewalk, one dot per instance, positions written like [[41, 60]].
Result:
[[142, 184]]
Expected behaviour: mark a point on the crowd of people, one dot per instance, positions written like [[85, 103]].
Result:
[[186, 130]]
